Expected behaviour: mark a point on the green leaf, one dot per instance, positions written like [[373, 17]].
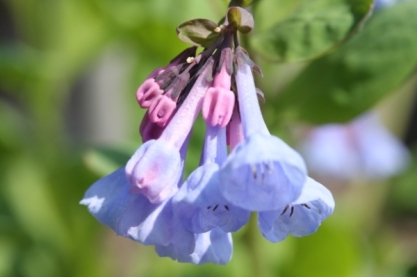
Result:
[[342, 85], [198, 32], [241, 18], [312, 30]]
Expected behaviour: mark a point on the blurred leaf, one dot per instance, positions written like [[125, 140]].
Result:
[[37, 21], [32, 204], [83, 34], [404, 191], [39, 262], [199, 32], [7, 253], [19, 67], [313, 29], [269, 12], [13, 129], [333, 251], [344, 84]]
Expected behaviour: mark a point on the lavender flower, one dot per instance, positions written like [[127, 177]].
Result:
[[362, 148]]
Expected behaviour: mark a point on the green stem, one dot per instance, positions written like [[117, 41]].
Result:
[[250, 239]]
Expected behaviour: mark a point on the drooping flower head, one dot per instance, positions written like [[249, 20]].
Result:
[[191, 219]]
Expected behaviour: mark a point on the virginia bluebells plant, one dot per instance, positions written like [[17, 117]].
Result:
[[243, 168]]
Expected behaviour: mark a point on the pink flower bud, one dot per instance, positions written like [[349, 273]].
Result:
[[219, 100], [218, 106], [161, 110], [149, 90], [149, 130]]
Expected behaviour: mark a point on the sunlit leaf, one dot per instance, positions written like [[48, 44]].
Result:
[[313, 29], [344, 84]]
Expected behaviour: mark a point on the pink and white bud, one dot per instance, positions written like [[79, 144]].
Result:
[[162, 109], [149, 90], [219, 100]]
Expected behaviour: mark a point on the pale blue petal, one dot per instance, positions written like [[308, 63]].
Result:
[[214, 246], [133, 216], [300, 218], [219, 251], [108, 198], [154, 224], [262, 173], [200, 206], [312, 191]]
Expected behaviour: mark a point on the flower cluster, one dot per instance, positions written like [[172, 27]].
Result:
[[243, 168]]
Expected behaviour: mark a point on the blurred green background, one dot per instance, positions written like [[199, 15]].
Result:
[[69, 70]]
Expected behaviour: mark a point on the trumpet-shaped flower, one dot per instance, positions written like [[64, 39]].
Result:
[[261, 173], [133, 215]]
